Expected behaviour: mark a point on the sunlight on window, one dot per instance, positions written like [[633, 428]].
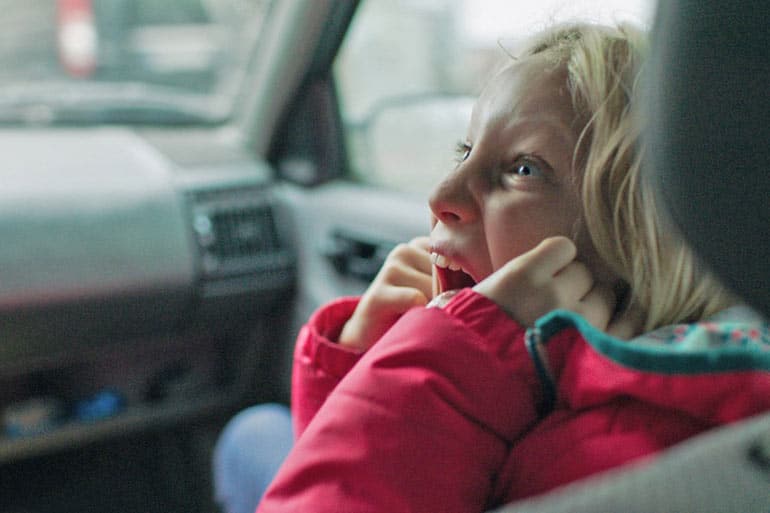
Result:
[[484, 22], [409, 70]]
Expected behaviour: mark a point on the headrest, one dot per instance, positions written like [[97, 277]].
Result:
[[709, 134]]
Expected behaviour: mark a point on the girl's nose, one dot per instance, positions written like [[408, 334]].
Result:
[[452, 201]]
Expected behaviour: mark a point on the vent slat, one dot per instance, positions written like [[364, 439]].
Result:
[[242, 232]]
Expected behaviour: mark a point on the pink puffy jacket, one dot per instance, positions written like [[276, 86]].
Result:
[[461, 409]]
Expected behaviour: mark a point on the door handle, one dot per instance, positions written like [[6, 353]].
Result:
[[355, 255]]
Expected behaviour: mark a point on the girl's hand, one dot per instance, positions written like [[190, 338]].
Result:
[[405, 281], [547, 278]]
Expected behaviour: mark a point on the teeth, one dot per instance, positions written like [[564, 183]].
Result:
[[444, 262], [439, 260]]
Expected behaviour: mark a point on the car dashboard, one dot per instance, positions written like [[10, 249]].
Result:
[[141, 278]]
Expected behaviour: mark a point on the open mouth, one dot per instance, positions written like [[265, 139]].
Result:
[[450, 275]]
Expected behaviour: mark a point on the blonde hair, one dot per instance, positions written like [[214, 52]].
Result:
[[621, 214]]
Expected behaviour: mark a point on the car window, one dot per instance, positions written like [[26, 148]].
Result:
[[118, 61], [409, 71]]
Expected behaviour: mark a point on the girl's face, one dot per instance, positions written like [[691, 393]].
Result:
[[514, 184]]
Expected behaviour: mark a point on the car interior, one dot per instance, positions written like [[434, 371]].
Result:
[[184, 182]]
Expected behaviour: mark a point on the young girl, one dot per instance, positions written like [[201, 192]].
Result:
[[566, 336]]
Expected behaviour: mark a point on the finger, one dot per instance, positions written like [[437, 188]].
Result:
[[400, 274], [420, 281], [573, 281], [420, 260], [378, 310], [421, 242], [411, 255], [397, 300], [597, 306], [549, 257]]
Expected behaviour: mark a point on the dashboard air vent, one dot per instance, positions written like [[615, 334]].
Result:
[[237, 237], [241, 232]]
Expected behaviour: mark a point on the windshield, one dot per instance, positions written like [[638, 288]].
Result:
[[124, 61]]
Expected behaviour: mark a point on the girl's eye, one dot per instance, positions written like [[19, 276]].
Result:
[[527, 169], [524, 169], [462, 152]]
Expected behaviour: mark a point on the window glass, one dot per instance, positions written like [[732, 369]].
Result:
[[409, 71], [118, 61]]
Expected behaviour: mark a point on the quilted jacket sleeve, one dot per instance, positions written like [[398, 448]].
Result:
[[319, 362], [422, 423]]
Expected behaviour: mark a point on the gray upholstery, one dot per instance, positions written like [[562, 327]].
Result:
[[709, 137], [724, 471]]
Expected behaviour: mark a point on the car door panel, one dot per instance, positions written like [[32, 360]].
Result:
[[338, 217]]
